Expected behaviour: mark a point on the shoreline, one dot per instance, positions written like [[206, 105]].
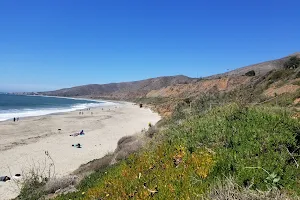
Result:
[[24, 143], [51, 111]]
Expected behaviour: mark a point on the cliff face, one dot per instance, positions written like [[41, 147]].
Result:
[[201, 86]]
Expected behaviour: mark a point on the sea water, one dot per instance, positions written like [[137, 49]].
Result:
[[18, 106]]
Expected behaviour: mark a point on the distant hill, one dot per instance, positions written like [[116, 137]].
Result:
[[260, 68], [176, 86], [123, 90]]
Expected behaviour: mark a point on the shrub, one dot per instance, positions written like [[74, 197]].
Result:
[[33, 182], [32, 185], [250, 73], [279, 75], [298, 74], [60, 183], [292, 63]]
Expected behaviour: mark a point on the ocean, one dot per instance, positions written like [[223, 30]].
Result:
[[27, 106]]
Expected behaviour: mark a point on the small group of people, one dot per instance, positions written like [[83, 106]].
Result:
[[78, 145], [16, 119], [81, 113]]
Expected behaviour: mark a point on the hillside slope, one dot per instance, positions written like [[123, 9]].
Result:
[[260, 68], [124, 90], [175, 86]]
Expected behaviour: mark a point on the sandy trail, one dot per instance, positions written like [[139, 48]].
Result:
[[23, 144]]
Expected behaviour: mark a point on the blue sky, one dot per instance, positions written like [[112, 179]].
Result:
[[47, 45]]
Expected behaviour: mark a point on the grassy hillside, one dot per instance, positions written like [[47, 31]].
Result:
[[208, 147], [256, 148]]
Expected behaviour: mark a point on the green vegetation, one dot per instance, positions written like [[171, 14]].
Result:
[[31, 188], [258, 147], [281, 74], [284, 100], [292, 63], [152, 100], [250, 73]]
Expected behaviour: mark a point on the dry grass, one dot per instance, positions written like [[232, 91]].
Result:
[[229, 190], [124, 141], [34, 179], [56, 184], [94, 165], [126, 146]]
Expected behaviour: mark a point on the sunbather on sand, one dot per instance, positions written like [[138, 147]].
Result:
[[4, 178], [77, 145], [76, 134]]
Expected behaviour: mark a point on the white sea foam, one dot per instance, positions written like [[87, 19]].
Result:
[[10, 114]]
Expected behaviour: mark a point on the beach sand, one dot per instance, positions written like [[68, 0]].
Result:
[[23, 143]]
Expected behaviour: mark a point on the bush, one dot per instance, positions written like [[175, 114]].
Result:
[[280, 75], [60, 183], [32, 186], [250, 73], [33, 182], [292, 63]]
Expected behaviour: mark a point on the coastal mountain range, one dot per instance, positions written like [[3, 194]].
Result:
[[175, 86], [123, 90]]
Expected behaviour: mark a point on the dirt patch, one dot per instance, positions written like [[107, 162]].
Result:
[[296, 101], [271, 92], [202, 86]]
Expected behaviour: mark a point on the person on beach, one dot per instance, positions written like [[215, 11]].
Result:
[[14, 119], [76, 134], [77, 145], [4, 178]]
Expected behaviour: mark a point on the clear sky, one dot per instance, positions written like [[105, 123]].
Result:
[[51, 44]]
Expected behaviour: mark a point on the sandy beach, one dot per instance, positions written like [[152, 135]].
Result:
[[23, 143]]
